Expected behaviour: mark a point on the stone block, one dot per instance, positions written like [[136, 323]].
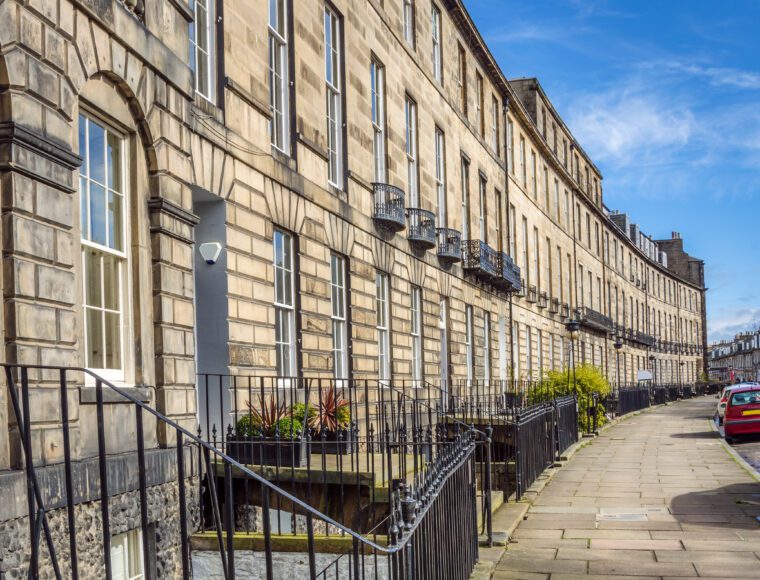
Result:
[[55, 284]]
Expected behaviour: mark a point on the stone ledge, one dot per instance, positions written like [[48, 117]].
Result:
[[123, 476], [88, 395]]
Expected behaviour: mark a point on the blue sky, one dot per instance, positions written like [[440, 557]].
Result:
[[665, 97]]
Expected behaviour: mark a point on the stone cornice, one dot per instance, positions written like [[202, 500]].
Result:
[[163, 205]]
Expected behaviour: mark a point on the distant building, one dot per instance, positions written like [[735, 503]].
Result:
[[735, 360]]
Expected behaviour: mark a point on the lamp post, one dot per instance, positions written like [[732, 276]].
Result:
[[680, 374], [573, 328], [654, 368], [618, 345]]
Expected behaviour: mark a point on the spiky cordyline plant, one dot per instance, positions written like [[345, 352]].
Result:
[[333, 412]]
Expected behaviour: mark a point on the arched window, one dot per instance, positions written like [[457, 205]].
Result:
[[104, 242]]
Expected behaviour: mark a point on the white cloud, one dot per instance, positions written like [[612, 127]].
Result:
[[719, 76], [725, 327], [629, 123]]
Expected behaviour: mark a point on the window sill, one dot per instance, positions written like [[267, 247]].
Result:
[[88, 395]]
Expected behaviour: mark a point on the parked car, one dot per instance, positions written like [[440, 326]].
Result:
[[742, 415], [723, 398]]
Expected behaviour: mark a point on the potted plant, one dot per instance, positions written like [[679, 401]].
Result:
[[269, 434], [331, 424]]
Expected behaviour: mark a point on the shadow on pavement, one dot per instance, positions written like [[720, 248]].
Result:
[[734, 506], [700, 435]]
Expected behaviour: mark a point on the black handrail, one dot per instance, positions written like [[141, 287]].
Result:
[[407, 518]]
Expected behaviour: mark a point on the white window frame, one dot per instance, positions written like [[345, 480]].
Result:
[[495, 125], [408, 21], [515, 355], [469, 347], [127, 558], [339, 315], [412, 167], [482, 187], [279, 77], [197, 52], [528, 351], [417, 335], [540, 352], [523, 163], [487, 347], [377, 89], [122, 257], [333, 91], [382, 288], [550, 338], [465, 171], [440, 176], [435, 33], [285, 308]]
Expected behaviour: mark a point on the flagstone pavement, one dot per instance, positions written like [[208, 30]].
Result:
[[655, 496]]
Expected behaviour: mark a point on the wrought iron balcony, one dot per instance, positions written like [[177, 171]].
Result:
[[644, 338], [523, 289], [543, 300], [532, 294], [593, 319], [510, 272], [136, 7], [421, 228], [449, 245], [481, 260], [388, 206], [565, 312], [554, 306]]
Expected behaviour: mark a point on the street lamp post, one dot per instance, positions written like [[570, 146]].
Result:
[[654, 368], [680, 374], [618, 346], [573, 330]]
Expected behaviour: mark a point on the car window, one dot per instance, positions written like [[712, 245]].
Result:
[[745, 398]]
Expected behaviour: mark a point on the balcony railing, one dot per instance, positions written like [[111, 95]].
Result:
[[543, 300], [593, 319], [523, 289], [554, 306], [421, 228], [510, 273], [481, 259], [388, 206], [136, 7], [532, 294], [449, 245]]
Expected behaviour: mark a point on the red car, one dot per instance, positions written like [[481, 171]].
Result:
[[742, 412]]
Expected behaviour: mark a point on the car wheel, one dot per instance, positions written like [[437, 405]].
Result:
[[730, 440]]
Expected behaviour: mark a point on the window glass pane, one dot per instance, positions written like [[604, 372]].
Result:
[[83, 201], [83, 143], [201, 23], [113, 153], [115, 221], [202, 73], [113, 340], [93, 296], [111, 282], [96, 153], [94, 322], [97, 214]]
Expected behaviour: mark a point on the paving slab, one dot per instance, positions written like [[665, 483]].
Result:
[[652, 497]]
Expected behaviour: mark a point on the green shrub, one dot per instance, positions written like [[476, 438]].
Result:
[[299, 412], [288, 428], [589, 380]]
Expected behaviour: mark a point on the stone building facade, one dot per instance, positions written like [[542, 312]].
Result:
[[280, 134], [735, 360]]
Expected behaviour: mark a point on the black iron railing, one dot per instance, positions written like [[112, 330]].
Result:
[[436, 506], [510, 272], [421, 227], [566, 421], [481, 259], [449, 245], [388, 206], [593, 319]]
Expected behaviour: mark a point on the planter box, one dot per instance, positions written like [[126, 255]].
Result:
[[257, 451], [331, 445]]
